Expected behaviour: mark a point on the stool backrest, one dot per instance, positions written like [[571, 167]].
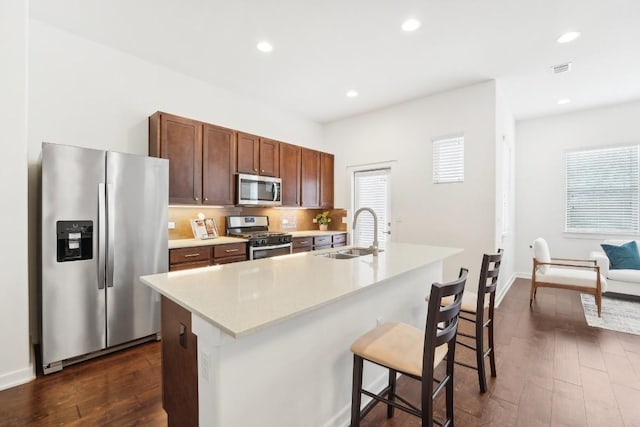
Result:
[[442, 321], [442, 327], [488, 277]]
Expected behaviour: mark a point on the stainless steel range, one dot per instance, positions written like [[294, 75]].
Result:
[[262, 242]]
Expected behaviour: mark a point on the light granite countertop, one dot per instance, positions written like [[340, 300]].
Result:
[[313, 233], [191, 243], [245, 297]]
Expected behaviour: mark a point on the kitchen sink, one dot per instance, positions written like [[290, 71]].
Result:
[[338, 255], [358, 251], [349, 253]]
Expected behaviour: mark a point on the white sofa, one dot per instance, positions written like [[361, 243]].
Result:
[[618, 281]]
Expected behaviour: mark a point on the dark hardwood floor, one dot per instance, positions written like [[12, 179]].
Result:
[[553, 370]]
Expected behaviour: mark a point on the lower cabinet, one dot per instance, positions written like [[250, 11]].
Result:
[[309, 243], [179, 365], [302, 244], [203, 256], [321, 242]]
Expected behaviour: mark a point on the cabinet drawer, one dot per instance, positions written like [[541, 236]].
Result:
[[302, 249], [188, 265], [339, 238], [230, 259], [302, 242], [321, 241], [229, 250], [189, 254]]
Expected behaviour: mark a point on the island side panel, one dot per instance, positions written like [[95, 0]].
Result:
[[179, 365], [298, 372]]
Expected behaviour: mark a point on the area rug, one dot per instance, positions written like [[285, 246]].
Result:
[[618, 314]]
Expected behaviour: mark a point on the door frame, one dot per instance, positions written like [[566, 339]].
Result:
[[351, 170]]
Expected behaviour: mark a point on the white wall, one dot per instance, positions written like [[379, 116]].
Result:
[[505, 190], [15, 364], [86, 94], [540, 173], [457, 215]]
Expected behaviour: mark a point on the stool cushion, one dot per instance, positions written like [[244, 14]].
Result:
[[469, 301], [397, 346]]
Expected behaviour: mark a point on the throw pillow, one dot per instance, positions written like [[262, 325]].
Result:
[[624, 257]]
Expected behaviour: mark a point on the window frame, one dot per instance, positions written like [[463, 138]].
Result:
[[435, 142], [598, 232]]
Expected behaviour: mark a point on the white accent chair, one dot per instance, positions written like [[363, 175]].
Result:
[[625, 282], [581, 275]]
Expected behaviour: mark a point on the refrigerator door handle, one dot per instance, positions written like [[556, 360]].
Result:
[[111, 221], [101, 235]]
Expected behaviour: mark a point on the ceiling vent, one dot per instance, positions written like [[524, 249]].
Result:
[[561, 68]]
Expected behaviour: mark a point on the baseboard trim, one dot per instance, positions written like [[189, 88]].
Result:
[[505, 289], [15, 378]]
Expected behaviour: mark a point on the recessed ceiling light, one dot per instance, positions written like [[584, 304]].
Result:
[[564, 101], [352, 93], [410, 24], [568, 37], [264, 46]]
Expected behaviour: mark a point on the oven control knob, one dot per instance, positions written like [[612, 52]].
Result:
[[263, 242]]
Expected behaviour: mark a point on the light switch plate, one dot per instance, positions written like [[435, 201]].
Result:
[[344, 219], [172, 225]]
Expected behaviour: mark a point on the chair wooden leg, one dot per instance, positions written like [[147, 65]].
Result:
[[392, 392], [449, 389], [492, 352], [599, 303], [356, 391], [533, 293], [482, 376]]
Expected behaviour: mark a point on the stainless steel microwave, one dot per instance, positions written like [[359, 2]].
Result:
[[255, 190]]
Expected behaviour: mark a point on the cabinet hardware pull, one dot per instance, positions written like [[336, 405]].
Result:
[[304, 242], [231, 250], [205, 199], [196, 199], [255, 170], [191, 255], [262, 171]]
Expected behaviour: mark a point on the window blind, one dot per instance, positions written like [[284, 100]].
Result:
[[371, 190], [602, 190], [448, 160]]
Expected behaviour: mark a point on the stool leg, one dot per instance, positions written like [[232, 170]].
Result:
[[482, 376], [356, 392], [392, 392], [492, 350]]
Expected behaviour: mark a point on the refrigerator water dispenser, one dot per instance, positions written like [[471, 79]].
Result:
[[75, 240]]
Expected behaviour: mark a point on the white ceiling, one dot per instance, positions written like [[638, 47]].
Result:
[[323, 48]]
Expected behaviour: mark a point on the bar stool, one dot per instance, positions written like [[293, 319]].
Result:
[[404, 349], [474, 304]]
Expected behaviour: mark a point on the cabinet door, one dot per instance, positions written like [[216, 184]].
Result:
[[180, 141], [218, 161], [290, 156], [269, 157], [310, 171], [248, 153], [179, 365], [326, 180]]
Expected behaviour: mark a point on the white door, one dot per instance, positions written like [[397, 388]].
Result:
[[371, 189]]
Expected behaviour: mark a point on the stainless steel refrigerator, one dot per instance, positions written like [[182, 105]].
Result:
[[104, 224]]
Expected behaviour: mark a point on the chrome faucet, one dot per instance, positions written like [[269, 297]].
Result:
[[374, 246]]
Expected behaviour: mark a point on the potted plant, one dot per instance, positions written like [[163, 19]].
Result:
[[323, 220]]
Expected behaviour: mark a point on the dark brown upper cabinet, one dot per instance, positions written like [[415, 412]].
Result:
[[310, 172], [258, 156], [201, 159], [218, 165], [290, 158], [326, 180]]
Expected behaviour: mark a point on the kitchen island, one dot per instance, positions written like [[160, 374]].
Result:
[[273, 335]]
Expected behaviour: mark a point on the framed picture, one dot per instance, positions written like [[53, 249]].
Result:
[[204, 228]]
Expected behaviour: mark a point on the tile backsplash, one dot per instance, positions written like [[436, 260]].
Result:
[[280, 219]]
